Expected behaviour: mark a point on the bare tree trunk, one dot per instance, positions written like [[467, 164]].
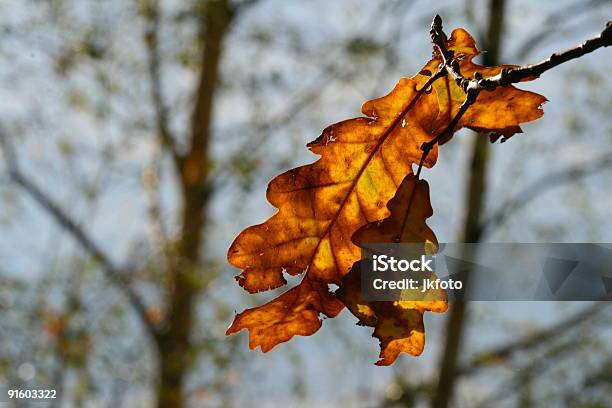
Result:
[[474, 205], [175, 349]]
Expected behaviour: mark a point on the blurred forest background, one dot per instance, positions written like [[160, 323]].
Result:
[[137, 138]]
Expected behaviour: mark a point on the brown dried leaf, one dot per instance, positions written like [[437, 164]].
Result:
[[321, 205], [499, 112], [398, 325]]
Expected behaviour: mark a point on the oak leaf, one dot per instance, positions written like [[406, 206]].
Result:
[[398, 324], [499, 112], [321, 205], [362, 163]]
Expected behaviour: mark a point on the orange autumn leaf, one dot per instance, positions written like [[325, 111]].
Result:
[[499, 112], [362, 163], [321, 205], [398, 324]]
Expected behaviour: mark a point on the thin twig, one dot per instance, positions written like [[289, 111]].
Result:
[[472, 94], [451, 67], [509, 75], [514, 75], [473, 86]]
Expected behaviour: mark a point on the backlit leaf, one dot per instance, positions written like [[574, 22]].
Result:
[[320, 206], [398, 325]]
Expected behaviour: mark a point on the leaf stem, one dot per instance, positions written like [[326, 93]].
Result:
[[473, 86]]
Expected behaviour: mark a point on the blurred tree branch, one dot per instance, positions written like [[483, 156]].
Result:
[[521, 383], [503, 352], [542, 185], [151, 13], [500, 355], [551, 24], [116, 275], [167, 141], [174, 342]]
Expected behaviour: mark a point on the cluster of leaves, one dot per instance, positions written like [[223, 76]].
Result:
[[363, 189]]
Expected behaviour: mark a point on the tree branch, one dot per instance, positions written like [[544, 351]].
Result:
[[196, 162], [556, 22], [525, 373], [473, 86], [503, 352], [541, 185], [513, 75], [151, 13], [174, 343], [114, 274]]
